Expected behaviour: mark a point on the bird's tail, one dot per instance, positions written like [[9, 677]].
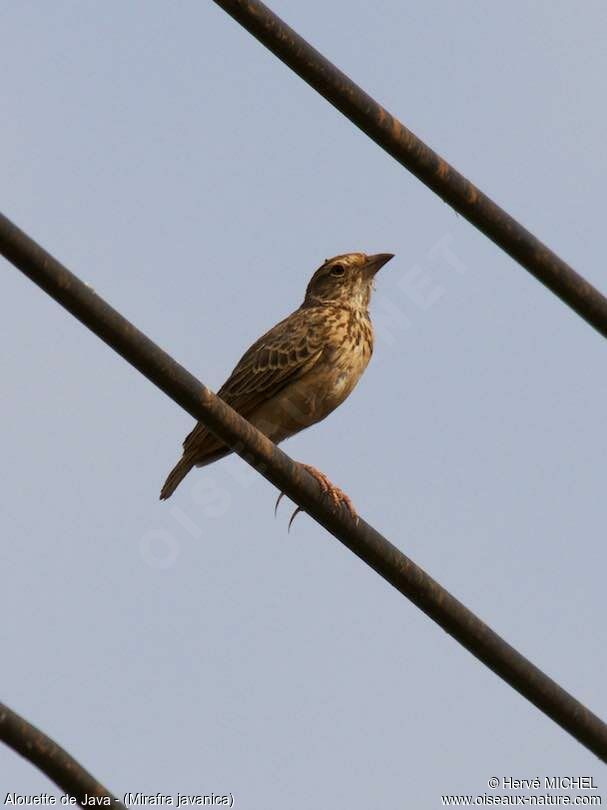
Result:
[[176, 476]]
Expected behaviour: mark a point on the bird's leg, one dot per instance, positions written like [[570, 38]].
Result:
[[335, 494]]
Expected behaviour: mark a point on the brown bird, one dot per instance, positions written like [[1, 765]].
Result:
[[302, 369]]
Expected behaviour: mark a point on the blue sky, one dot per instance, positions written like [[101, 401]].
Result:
[[189, 177]]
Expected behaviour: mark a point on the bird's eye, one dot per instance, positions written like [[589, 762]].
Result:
[[338, 270]]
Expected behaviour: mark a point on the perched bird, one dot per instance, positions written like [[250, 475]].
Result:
[[302, 369]]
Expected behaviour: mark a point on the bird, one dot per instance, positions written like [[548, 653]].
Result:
[[299, 371]]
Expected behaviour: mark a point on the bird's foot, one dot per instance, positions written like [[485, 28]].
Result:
[[337, 497]]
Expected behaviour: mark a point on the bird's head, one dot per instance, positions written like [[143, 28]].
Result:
[[346, 280]]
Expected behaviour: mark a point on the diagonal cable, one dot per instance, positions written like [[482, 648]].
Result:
[[423, 162], [51, 759], [294, 481]]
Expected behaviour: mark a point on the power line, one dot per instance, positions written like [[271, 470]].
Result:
[[423, 162], [50, 758], [291, 478]]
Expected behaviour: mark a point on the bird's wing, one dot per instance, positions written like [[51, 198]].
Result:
[[279, 357]]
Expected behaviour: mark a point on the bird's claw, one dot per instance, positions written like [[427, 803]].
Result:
[[299, 509], [293, 516], [278, 500], [337, 497]]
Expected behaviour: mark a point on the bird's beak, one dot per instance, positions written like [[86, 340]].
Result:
[[375, 263]]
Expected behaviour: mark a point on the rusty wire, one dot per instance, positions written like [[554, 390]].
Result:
[[51, 759], [291, 478], [423, 162]]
